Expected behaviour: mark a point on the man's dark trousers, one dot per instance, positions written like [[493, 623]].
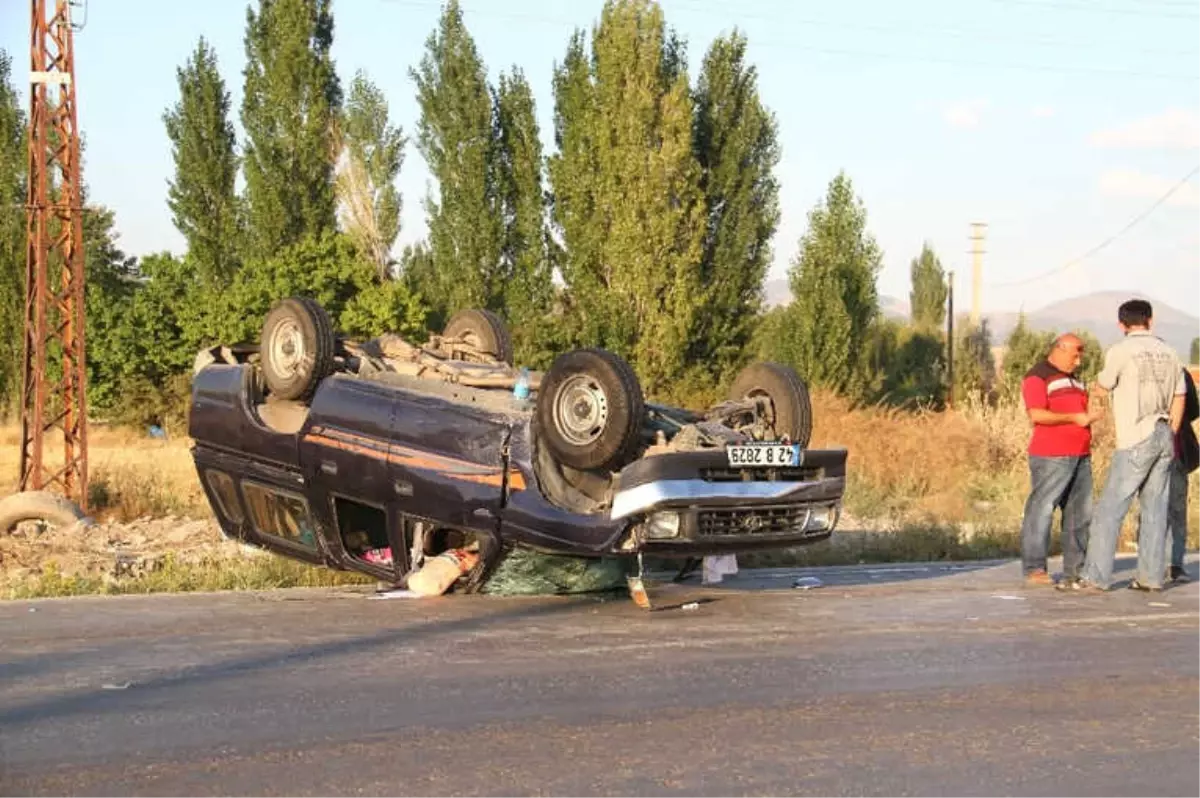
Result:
[[1066, 483]]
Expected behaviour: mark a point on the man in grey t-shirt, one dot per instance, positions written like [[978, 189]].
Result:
[[1143, 375]]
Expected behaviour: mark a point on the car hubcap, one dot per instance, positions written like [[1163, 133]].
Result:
[[287, 348], [581, 410]]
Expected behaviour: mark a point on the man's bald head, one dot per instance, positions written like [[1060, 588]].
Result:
[[1067, 352]]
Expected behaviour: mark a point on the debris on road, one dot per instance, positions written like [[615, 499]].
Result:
[[807, 583]]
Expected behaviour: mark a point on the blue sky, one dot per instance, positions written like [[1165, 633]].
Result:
[[1054, 121]]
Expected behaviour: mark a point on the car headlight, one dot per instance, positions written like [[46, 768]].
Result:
[[660, 526], [820, 520]]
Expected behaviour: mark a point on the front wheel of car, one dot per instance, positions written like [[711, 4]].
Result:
[[590, 409], [789, 411], [297, 348]]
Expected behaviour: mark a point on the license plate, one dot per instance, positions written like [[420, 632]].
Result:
[[763, 455]]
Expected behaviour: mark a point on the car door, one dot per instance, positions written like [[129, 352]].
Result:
[[344, 451], [448, 461]]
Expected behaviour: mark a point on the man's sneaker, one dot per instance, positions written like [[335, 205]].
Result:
[[1178, 574], [1136, 585], [1083, 586], [1070, 583], [1038, 578]]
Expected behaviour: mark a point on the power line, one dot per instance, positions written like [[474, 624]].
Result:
[[793, 46], [1129, 226], [968, 33], [1094, 8]]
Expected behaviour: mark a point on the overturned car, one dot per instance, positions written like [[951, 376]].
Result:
[[379, 456]]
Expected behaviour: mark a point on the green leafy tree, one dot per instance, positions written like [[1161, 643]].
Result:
[[202, 196], [292, 97], [736, 143], [833, 281], [330, 269], [974, 364], [525, 251], [627, 200], [929, 290], [112, 283], [909, 364], [13, 172], [455, 136], [372, 154], [1024, 348], [1194, 352]]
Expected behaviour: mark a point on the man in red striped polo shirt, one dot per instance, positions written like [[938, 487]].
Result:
[[1060, 461]]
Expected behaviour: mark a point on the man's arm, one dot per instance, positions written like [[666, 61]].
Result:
[[1033, 391], [1040, 415], [1176, 412]]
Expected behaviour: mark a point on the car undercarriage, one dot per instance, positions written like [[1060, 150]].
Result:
[[386, 457]]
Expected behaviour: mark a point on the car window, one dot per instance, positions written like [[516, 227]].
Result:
[[279, 514], [227, 499]]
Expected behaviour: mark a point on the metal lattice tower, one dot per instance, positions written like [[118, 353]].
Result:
[[54, 383]]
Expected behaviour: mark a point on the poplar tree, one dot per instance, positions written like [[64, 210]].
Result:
[[202, 196], [371, 158], [292, 97], [928, 295], [455, 136], [627, 199], [736, 145], [13, 175], [525, 254], [833, 281]]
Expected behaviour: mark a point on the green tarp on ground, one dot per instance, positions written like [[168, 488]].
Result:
[[524, 572]]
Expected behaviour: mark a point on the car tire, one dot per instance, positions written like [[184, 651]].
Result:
[[297, 348], [590, 409], [788, 394], [484, 330], [40, 505]]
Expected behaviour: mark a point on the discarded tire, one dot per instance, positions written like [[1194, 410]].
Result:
[[39, 505], [589, 409], [297, 348], [791, 407], [483, 330]]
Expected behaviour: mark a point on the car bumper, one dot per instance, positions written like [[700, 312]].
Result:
[[693, 503]]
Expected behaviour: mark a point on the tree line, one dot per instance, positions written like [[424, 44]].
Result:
[[646, 231]]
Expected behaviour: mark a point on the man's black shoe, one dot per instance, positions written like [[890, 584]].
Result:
[[1178, 574]]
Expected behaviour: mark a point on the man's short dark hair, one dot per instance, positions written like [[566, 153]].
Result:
[[1135, 313]]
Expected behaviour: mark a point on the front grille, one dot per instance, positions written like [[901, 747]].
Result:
[[801, 474], [756, 521]]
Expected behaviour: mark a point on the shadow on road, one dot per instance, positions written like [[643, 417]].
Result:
[[96, 701]]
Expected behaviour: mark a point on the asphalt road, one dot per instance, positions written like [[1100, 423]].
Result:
[[893, 680]]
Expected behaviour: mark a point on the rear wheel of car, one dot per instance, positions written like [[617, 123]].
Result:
[[297, 348], [790, 412], [484, 331], [590, 409]]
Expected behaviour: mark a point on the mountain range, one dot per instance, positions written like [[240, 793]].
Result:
[[1095, 312]]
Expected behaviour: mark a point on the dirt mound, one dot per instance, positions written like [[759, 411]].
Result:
[[110, 551]]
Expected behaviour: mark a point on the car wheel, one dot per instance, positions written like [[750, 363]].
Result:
[[297, 348], [590, 409], [791, 407], [484, 331]]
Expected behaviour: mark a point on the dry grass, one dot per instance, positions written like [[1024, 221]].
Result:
[[131, 475], [174, 576]]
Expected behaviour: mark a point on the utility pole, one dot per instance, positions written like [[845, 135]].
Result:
[[950, 341], [54, 380], [977, 235]]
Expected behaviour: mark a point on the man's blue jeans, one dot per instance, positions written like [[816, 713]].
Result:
[[1064, 482], [1142, 470], [1177, 512]]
